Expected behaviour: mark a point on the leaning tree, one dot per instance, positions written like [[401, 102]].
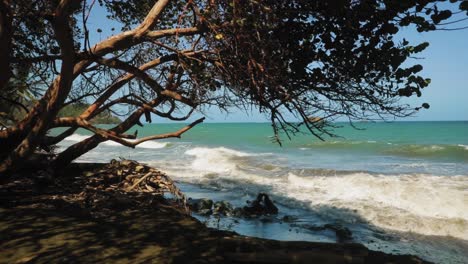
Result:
[[292, 60]]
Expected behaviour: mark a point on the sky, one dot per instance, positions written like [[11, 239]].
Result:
[[445, 62]]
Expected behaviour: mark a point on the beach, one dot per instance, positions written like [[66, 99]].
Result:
[[398, 187], [52, 224], [233, 132]]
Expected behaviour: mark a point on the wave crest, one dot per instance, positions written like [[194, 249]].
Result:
[[419, 203], [215, 160], [430, 205]]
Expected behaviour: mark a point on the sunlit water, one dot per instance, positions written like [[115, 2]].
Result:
[[399, 187]]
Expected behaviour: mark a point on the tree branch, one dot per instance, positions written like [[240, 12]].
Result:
[[118, 64], [151, 18], [176, 134], [119, 138], [48, 106]]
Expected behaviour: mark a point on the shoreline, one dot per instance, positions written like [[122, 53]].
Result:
[[49, 224]]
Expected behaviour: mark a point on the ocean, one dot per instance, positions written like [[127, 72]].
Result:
[[400, 187]]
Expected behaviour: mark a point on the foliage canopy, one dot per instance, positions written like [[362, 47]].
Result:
[[297, 58]]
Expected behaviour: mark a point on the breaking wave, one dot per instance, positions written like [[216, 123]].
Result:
[[418, 203], [424, 204]]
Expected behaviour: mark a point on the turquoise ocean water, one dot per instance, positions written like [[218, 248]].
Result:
[[400, 187]]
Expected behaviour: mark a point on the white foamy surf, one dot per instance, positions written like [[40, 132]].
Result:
[[423, 204], [147, 144], [418, 203], [463, 146], [399, 188], [215, 160]]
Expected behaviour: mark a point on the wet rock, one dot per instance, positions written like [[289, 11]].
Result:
[[238, 212], [261, 206], [266, 219], [343, 234], [288, 218], [205, 212], [202, 206], [222, 208]]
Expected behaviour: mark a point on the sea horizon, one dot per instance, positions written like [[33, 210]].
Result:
[[207, 121]]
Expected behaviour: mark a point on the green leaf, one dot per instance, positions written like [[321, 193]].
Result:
[[420, 47], [416, 68], [464, 5], [445, 14]]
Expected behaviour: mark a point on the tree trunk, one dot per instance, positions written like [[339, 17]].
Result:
[[5, 42], [48, 107], [76, 150]]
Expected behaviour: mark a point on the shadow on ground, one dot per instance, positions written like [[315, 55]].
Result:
[[37, 226]]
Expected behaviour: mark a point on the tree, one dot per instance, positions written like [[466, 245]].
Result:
[[307, 58]]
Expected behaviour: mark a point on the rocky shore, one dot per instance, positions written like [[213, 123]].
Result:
[[117, 213]]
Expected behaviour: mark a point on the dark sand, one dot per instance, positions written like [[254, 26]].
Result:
[[45, 222]]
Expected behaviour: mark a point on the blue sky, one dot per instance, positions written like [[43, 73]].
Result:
[[445, 62]]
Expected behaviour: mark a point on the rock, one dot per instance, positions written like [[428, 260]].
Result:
[[343, 234], [264, 219], [205, 212], [222, 208], [288, 218], [199, 205], [261, 206], [238, 212]]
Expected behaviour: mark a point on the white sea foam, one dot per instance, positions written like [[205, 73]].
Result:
[[436, 148], [430, 205], [76, 137], [463, 146], [215, 160], [420, 203], [147, 144], [152, 145]]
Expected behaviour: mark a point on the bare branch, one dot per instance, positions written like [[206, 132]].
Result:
[[176, 134], [119, 138], [151, 18]]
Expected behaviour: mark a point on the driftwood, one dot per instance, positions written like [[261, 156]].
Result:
[[139, 181], [131, 177]]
